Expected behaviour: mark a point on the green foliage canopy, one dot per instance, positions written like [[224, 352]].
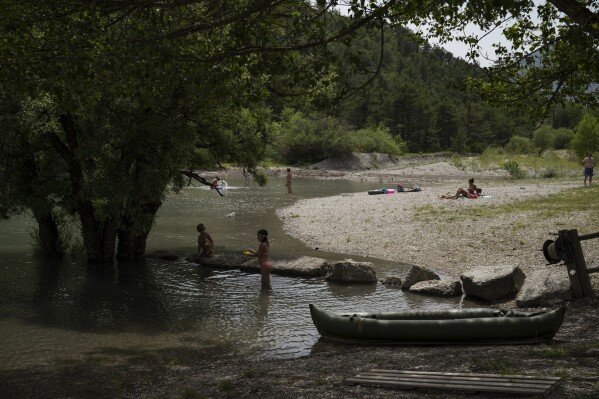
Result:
[[550, 55], [586, 136], [113, 99]]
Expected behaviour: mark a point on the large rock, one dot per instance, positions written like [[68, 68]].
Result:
[[438, 288], [219, 261], [349, 271], [304, 266], [252, 266], [417, 274], [392, 280], [545, 287], [493, 283]]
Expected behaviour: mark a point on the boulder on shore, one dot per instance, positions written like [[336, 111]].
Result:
[[392, 280], [438, 288], [493, 283], [417, 274], [219, 261], [545, 287], [304, 266], [350, 271]]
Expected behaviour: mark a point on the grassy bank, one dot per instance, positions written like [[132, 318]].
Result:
[[550, 164]]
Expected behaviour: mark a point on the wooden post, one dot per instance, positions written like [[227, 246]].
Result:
[[572, 273], [577, 269]]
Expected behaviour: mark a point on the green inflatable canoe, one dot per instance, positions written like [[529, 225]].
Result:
[[452, 326]]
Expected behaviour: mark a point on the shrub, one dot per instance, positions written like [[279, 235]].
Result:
[[261, 179], [549, 173], [303, 139], [544, 138], [374, 139], [586, 138], [513, 169], [562, 138], [520, 145]]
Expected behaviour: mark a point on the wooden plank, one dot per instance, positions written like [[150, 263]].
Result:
[[517, 384], [522, 380], [461, 381], [477, 375], [423, 385], [464, 378]]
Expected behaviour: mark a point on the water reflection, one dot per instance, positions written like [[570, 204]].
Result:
[[342, 291]]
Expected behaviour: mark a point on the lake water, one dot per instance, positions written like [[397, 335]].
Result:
[[61, 311]]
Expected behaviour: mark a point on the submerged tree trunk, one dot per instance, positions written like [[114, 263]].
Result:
[[132, 241], [49, 236], [131, 246], [99, 236]]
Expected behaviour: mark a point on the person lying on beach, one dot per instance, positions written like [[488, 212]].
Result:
[[471, 192]]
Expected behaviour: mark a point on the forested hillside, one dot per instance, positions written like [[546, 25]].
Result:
[[418, 102]]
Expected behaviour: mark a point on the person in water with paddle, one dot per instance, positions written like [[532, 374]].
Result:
[[263, 258], [205, 242], [471, 192]]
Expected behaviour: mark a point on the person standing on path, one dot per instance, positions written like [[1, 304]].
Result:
[[288, 184], [589, 164]]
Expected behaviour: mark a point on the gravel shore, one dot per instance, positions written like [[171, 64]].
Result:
[[446, 235]]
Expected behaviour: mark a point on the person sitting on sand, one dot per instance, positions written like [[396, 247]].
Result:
[[205, 242], [471, 192]]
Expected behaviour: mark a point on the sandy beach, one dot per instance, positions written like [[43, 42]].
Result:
[[448, 236]]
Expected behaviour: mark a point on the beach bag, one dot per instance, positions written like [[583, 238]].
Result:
[[472, 196]]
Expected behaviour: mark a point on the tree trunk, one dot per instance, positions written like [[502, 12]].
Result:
[[99, 238], [49, 236], [132, 245]]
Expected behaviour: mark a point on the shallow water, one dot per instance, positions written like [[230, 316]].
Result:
[[53, 312]]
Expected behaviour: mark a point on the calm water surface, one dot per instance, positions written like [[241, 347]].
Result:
[[60, 311]]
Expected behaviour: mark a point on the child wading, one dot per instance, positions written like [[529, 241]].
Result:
[[205, 242], [263, 259]]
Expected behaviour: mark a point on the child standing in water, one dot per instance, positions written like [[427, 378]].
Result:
[[205, 242], [263, 258], [288, 179]]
